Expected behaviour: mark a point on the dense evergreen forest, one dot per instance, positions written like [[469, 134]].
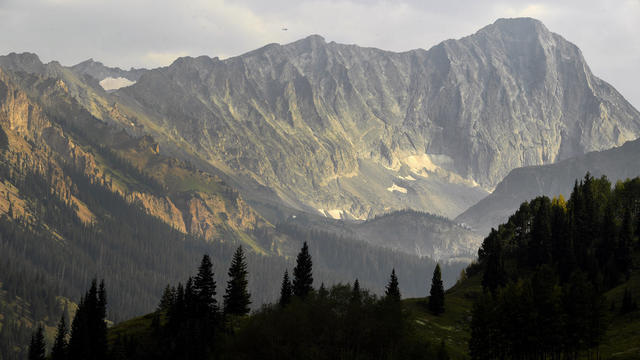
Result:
[[544, 273]]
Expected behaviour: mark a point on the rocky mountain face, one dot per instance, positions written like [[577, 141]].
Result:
[[350, 132], [48, 129], [196, 202], [526, 183]]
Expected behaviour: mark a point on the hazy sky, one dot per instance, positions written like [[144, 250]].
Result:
[[150, 33]]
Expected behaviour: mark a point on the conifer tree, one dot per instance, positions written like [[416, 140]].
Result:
[[99, 323], [168, 298], [37, 345], [189, 299], [60, 344], [237, 297], [302, 273], [436, 294], [356, 293], [176, 313], [393, 288], [88, 328], [204, 287], [491, 254], [286, 290], [540, 244]]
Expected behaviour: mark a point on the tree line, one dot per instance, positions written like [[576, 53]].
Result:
[[344, 321]]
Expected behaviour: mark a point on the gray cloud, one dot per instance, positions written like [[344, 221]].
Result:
[[153, 33]]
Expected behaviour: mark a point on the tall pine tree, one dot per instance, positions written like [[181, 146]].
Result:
[[491, 254], [37, 345], [356, 293], [286, 290], [60, 344], [302, 273], [237, 297], [204, 287], [436, 294], [393, 287], [88, 329], [168, 298]]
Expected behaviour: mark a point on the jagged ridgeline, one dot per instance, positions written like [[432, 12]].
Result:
[[554, 276], [80, 199]]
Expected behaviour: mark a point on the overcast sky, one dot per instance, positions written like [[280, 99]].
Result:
[[151, 33]]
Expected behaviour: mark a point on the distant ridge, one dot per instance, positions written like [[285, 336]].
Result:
[[526, 183]]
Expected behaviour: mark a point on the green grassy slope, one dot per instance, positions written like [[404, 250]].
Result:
[[453, 325], [622, 339]]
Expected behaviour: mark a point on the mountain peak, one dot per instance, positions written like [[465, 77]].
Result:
[[314, 38], [312, 41], [519, 28], [518, 21], [25, 58], [26, 61], [87, 63]]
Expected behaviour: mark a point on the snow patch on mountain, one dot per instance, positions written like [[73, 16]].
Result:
[[110, 84]]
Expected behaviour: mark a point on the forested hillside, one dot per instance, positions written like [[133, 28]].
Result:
[[547, 271]]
